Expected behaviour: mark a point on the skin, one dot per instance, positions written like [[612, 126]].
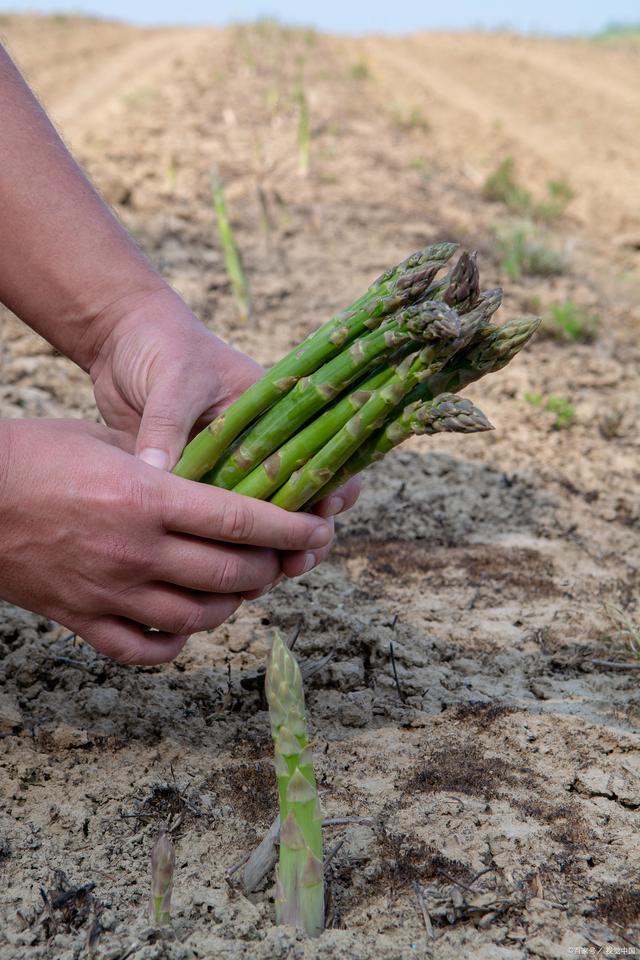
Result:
[[97, 533]]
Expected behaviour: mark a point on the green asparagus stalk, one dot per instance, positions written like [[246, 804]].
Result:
[[299, 878], [163, 861], [426, 322], [304, 133], [402, 285], [493, 349], [269, 475], [304, 483], [447, 413], [232, 260], [276, 469]]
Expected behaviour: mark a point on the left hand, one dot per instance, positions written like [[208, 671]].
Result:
[[160, 375]]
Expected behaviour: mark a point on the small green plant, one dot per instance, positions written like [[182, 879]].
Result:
[[627, 627], [524, 254], [562, 408], [559, 196], [233, 262], [410, 118], [163, 862], [300, 874], [360, 70], [501, 186], [618, 31], [570, 323]]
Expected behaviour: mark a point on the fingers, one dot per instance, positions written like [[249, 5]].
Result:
[[215, 514], [199, 565], [129, 643], [168, 414], [299, 562], [176, 611], [341, 499]]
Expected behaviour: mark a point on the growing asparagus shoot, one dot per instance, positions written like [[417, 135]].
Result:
[[304, 134], [163, 861], [299, 875], [233, 262]]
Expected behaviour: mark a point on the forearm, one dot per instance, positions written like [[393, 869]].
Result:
[[65, 261]]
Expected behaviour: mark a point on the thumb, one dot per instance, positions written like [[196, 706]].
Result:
[[164, 428]]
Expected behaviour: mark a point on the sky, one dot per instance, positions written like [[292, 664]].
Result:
[[360, 16]]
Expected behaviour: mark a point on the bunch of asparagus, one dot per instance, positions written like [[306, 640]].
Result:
[[386, 368]]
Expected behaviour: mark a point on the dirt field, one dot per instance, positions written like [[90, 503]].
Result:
[[501, 776]]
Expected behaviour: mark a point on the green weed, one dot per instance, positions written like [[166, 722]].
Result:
[[570, 323], [501, 186], [564, 411], [523, 254], [626, 628], [360, 70], [410, 118], [618, 31]]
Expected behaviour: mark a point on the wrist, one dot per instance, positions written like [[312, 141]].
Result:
[[105, 321]]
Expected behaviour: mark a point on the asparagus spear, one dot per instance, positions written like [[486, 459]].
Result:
[[304, 483], [447, 413], [426, 321], [299, 878], [402, 285], [464, 285], [163, 861], [232, 259], [493, 349], [276, 469], [269, 475]]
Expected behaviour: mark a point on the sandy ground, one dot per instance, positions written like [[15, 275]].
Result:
[[501, 775]]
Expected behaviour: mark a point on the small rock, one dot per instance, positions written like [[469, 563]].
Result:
[[10, 714], [65, 737], [593, 781], [356, 709], [101, 701]]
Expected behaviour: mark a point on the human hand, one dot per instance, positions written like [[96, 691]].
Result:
[[108, 546], [160, 372]]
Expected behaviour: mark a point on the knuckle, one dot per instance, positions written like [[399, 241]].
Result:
[[190, 618], [140, 495], [162, 420], [236, 521], [121, 553], [294, 533], [227, 575]]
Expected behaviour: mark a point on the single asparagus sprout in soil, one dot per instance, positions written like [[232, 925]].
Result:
[[372, 376], [304, 134], [232, 260], [163, 862], [299, 874]]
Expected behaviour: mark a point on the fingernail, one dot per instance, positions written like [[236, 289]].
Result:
[[335, 505], [310, 561], [320, 536], [155, 457]]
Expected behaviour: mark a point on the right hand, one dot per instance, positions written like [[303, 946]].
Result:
[[108, 546]]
